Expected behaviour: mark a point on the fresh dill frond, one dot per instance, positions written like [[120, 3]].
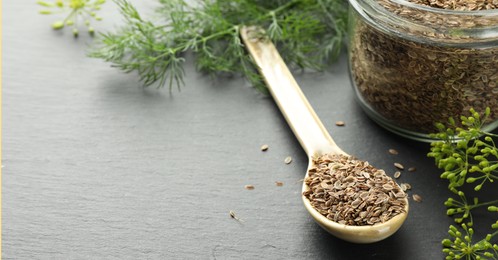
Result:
[[308, 33], [143, 47]]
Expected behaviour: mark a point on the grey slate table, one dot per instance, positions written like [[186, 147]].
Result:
[[95, 167]]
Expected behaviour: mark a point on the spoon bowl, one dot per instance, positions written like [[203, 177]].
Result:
[[310, 132], [355, 234]]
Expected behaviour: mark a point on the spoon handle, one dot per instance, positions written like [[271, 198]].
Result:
[[296, 109]]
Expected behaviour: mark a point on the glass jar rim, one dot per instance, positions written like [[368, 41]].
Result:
[[481, 13], [431, 24]]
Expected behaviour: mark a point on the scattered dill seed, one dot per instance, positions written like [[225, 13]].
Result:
[[397, 174], [264, 147], [412, 169], [249, 187], [393, 151], [288, 159], [340, 123], [279, 183], [399, 166], [232, 215], [417, 198]]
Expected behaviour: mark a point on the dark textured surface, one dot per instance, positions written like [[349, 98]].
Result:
[[94, 167]]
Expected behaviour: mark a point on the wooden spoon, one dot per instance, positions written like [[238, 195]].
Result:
[[310, 132]]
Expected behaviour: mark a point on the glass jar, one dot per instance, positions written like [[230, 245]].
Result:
[[413, 65]]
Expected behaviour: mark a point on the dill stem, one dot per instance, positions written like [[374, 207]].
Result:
[[71, 15], [181, 48], [282, 7], [331, 18], [470, 207]]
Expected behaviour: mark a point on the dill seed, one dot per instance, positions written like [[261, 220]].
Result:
[[264, 147], [397, 174], [279, 183], [249, 187], [399, 166], [340, 123], [412, 169], [393, 151], [288, 159], [232, 215], [352, 192], [417, 198], [405, 186]]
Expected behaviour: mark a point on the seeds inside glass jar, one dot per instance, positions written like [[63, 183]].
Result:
[[429, 66]]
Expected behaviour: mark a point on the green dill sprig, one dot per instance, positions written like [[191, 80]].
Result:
[[461, 245], [463, 208], [77, 11], [469, 156], [308, 33], [460, 152]]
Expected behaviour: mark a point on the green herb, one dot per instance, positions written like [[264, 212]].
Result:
[[308, 33], [79, 10], [463, 247], [460, 152], [469, 156]]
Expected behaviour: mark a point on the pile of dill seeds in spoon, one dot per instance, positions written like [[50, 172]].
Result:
[[352, 192]]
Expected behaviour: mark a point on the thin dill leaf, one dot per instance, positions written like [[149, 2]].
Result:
[[335, 15], [128, 11], [140, 47], [274, 30]]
